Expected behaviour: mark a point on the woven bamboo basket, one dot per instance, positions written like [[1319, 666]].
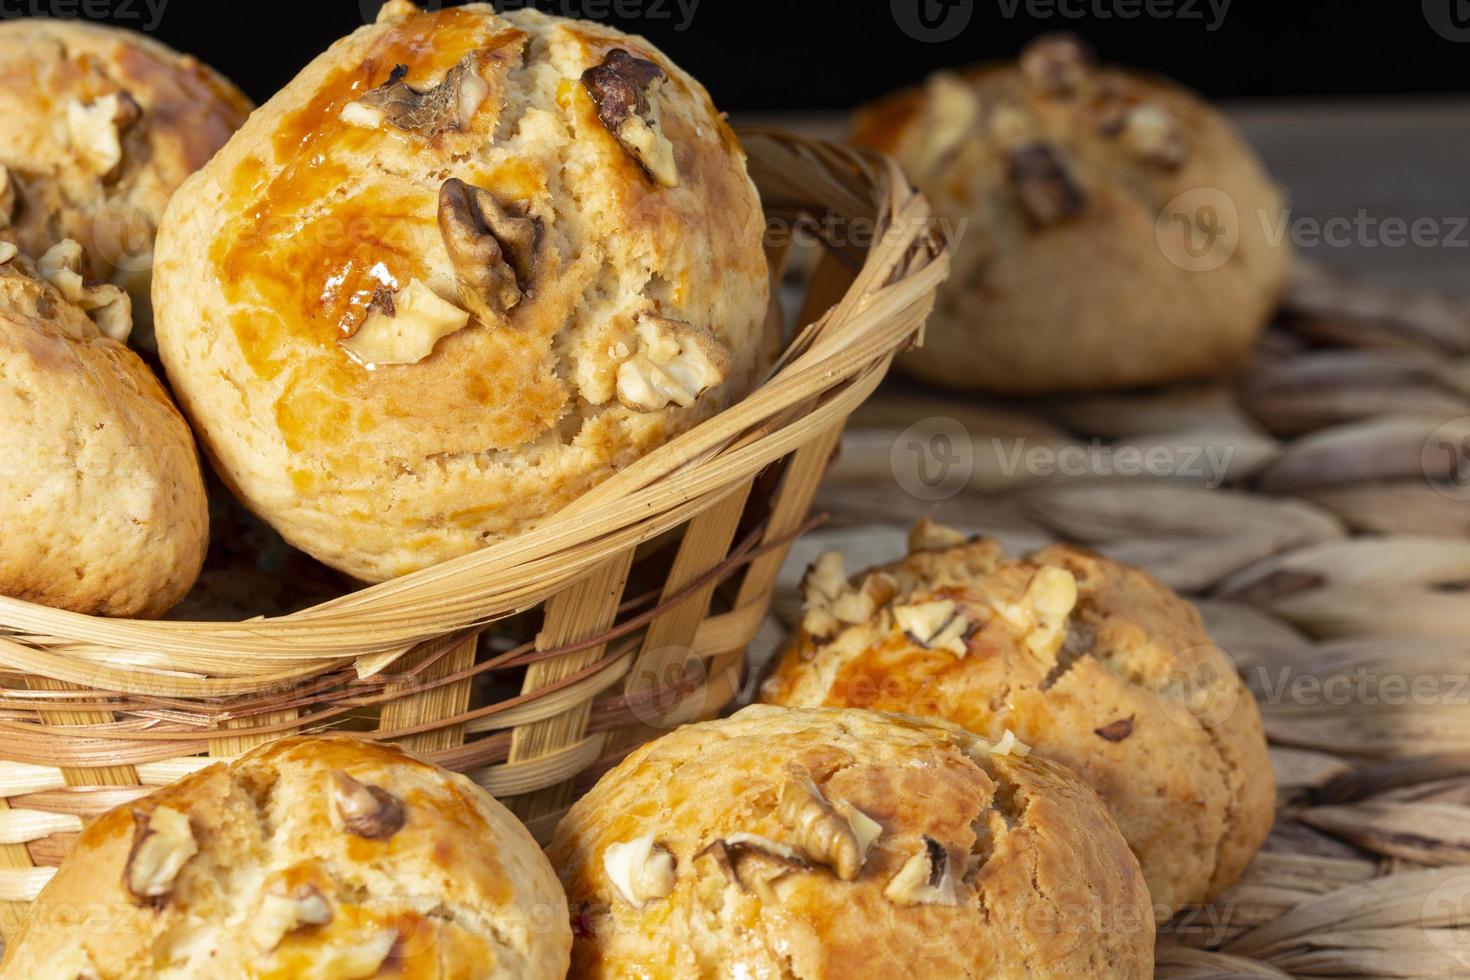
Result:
[[1317, 510], [538, 662]]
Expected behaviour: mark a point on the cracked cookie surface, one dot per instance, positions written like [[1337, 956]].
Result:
[[1093, 663], [827, 843], [422, 300], [328, 857]]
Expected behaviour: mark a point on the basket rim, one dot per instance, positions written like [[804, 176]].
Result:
[[829, 367]]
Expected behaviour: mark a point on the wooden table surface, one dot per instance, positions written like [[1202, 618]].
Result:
[[1364, 166]]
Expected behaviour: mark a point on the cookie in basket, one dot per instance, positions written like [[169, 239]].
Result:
[[102, 503], [1091, 662], [465, 267], [810, 843], [1116, 230], [98, 126], [310, 857]]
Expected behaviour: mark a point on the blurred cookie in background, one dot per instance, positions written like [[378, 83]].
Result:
[[1113, 228], [98, 127]]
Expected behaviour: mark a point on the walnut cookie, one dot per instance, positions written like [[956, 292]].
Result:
[[1116, 229], [1094, 664], [329, 857], [101, 496], [460, 270], [100, 126], [821, 843]]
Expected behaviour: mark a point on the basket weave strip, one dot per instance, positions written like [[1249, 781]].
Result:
[[95, 712], [1328, 548]]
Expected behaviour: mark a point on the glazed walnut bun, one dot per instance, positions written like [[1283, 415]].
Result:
[[98, 126], [461, 269], [1113, 229], [1094, 664], [811, 844], [328, 857], [102, 507]]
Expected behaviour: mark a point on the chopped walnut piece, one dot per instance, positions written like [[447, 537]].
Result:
[[1048, 192], [403, 327], [163, 842], [95, 129], [825, 581], [447, 106], [950, 114], [366, 811], [861, 604], [282, 912], [924, 878], [930, 535], [622, 87], [1151, 133], [823, 835], [397, 11], [640, 870], [1009, 744], [936, 625], [109, 306], [754, 863], [7, 197], [676, 362], [1041, 614], [1115, 731], [492, 247], [8, 251], [1057, 64], [357, 957]]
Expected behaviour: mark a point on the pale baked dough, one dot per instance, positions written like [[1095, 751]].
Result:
[[1091, 662], [98, 126], [518, 367], [102, 505], [257, 869], [1113, 229], [739, 842]]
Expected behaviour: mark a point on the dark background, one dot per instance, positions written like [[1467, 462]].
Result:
[[824, 54]]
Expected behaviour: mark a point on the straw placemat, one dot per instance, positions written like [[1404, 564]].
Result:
[[1317, 509]]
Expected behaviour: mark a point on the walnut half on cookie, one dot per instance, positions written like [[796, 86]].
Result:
[[1090, 662], [839, 843]]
